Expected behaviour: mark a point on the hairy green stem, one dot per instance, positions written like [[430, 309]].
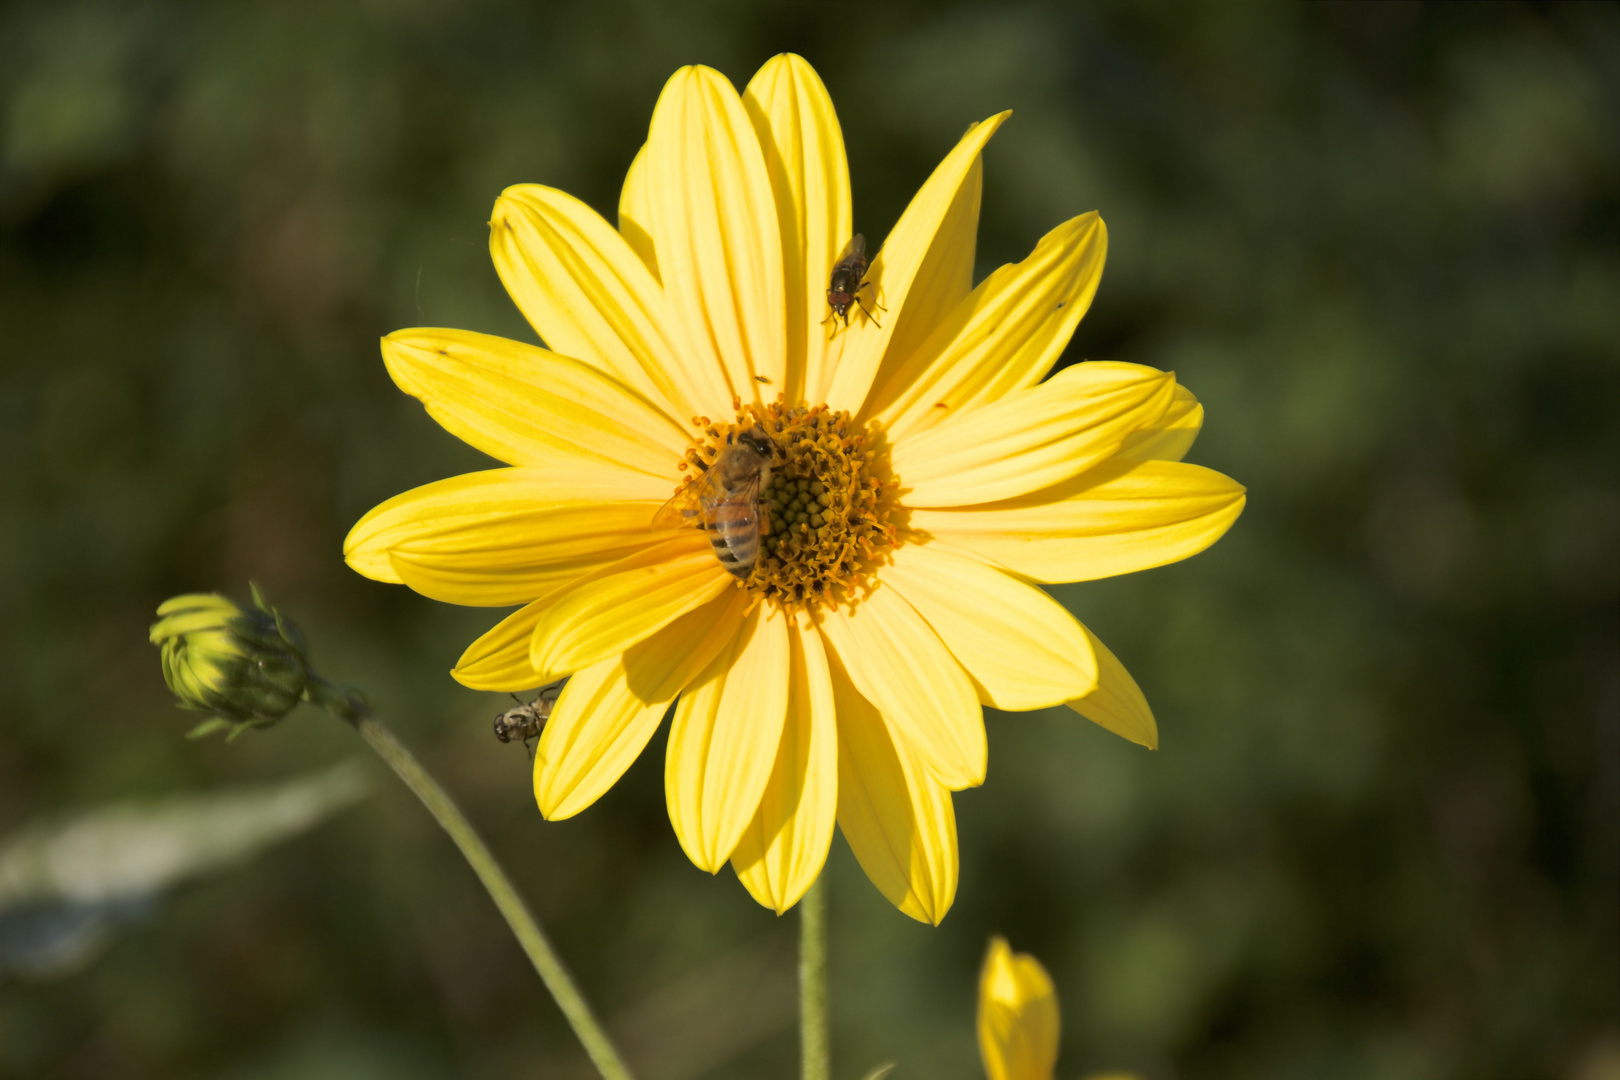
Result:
[[813, 1038], [511, 905]]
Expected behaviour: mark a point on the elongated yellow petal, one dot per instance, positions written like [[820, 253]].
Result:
[[596, 731], [1120, 517], [527, 406], [635, 212], [804, 155], [1019, 1022], [724, 740], [588, 295], [627, 602], [899, 664], [896, 816], [499, 660], [1004, 337], [1117, 702], [1021, 647], [1171, 436], [943, 212], [784, 848], [608, 712], [714, 225], [944, 278], [1032, 438], [506, 536]]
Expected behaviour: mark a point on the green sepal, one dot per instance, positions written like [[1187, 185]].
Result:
[[209, 726]]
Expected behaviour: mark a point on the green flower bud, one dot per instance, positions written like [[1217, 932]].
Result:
[[247, 666]]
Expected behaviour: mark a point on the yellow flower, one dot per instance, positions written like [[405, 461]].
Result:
[[926, 472], [1019, 1022], [247, 666]]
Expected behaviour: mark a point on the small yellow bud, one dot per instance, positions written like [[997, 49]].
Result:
[[1018, 1016], [247, 666]]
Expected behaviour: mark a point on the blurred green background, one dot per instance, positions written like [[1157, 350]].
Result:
[[1382, 244]]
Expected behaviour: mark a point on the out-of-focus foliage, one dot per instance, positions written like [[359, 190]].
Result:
[[1379, 242]]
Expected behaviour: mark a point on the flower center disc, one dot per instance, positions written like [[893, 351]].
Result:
[[824, 517]]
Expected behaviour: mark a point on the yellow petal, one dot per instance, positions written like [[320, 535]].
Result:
[[945, 211], [714, 225], [1117, 703], [724, 740], [527, 406], [1171, 436], [608, 711], [626, 602], [902, 667], [895, 815], [1031, 438], [1021, 647], [804, 155], [1019, 1022], [944, 278], [635, 212], [1120, 517], [506, 536], [588, 295], [784, 847], [1004, 337], [499, 660]]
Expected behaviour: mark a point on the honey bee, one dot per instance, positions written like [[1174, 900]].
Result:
[[725, 500], [847, 282], [529, 718]]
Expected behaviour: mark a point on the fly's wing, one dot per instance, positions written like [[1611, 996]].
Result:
[[686, 508], [855, 249], [546, 700]]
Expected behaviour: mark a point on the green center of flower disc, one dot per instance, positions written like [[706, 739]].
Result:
[[824, 514]]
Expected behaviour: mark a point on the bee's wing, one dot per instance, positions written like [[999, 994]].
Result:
[[686, 508], [748, 494], [856, 249]]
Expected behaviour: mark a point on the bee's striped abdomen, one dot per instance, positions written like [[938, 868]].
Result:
[[734, 531]]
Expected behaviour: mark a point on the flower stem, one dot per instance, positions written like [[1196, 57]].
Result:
[[813, 1039], [511, 905]]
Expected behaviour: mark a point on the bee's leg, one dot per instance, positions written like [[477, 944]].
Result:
[[527, 745]]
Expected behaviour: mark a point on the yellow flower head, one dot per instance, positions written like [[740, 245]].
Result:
[[245, 665], [1019, 1021], [872, 498]]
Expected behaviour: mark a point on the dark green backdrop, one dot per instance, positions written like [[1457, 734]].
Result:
[[1379, 242]]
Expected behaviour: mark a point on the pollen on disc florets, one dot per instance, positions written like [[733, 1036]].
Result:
[[824, 512]]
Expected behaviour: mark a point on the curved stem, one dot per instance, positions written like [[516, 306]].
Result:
[[511, 905], [813, 1040]]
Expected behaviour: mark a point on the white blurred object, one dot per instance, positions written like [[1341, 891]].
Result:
[[66, 884]]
